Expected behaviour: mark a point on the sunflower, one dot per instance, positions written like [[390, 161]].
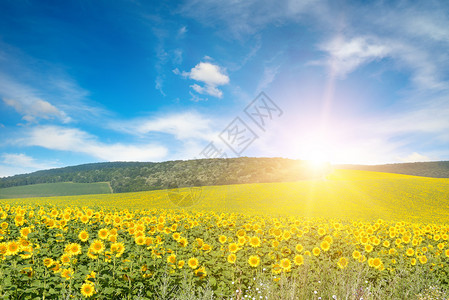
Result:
[[299, 248], [56, 267], [118, 249], [140, 240], [222, 239], [241, 233], [406, 239], [171, 259], [193, 263], [67, 273], [97, 246], [24, 232], [254, 261], [232, 258], [276, 269], [75, 249], [298, 260], [199, 242], [233, 247], [410, 252], [87, 290], [286, 264], [201, 272], [376, 263], [19, 220], [181, 264], [65, 259], [176, 236], [84, 219], [48, 262], [287, 235], [342, 262], [423, 259], [92, 276], [12, 248], [83, 236], [103, 233], [325, 245], [183, 242], [413, 261], [316, 251], [368, 248], [321, 231], [254, 241], [356, 254]]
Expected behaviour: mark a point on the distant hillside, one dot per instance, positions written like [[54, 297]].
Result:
[[436, 169], [144, 176]]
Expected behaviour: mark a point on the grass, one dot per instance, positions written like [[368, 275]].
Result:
[[55, 189], [345, 194]]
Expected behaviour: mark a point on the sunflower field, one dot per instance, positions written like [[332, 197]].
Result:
[[49, 252], [55, 249]]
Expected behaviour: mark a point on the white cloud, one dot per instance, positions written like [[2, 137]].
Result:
[[19, 163], [75, 140], [414, 157], [182, 31], [269, 74], [207, 90], [242, 18], [177, 56], [347, 55], [35, 109], [183, 126], [30, 84], [209, 74], [196, 98], [24, 161]]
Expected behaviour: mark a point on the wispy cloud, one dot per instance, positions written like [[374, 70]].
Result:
[[182, 31], [182, 126], [37, 109], [78, 141], [208, 73], [39, 90], [16, 163], [345, 55], [242, 18]]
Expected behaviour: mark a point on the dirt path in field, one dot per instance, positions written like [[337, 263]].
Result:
[[110, 187]]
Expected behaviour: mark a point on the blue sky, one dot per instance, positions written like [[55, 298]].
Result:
[[349, 81]]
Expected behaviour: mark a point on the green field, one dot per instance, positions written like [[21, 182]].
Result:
[[55, 189], [346, 194]]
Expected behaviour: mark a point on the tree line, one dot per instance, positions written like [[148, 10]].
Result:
[[144, 176]]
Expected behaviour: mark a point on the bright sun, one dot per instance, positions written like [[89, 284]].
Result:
[[317, 153]]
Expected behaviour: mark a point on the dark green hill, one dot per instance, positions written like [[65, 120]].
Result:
[[436, 169], [143, 176]]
